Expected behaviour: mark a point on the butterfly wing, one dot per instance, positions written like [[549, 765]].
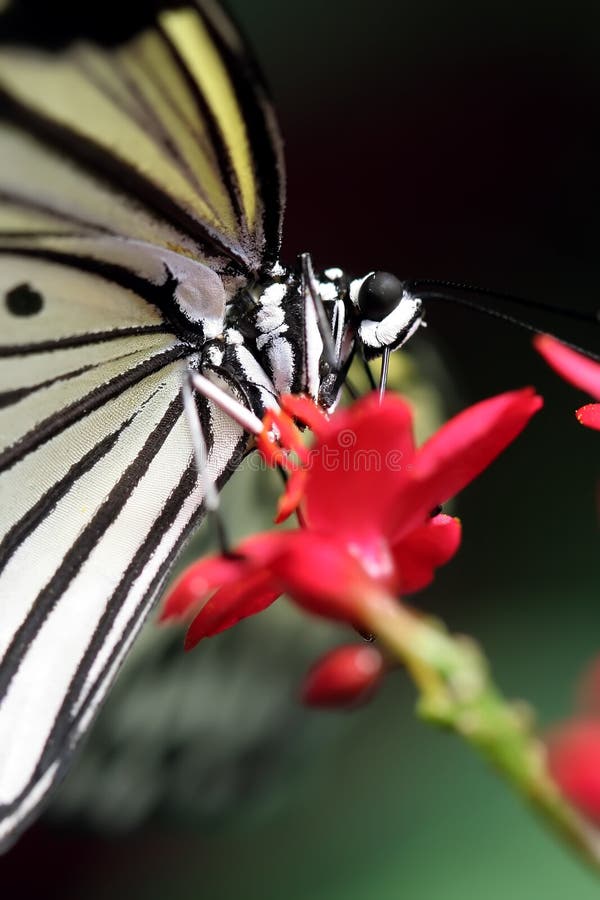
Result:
[[158, 129], [97, 490], [129, 175]]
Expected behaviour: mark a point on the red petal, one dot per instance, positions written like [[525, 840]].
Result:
[[292, 496], [574, 367], [231, 604], [356, 469], [270, 450], [344, 677], [459, 452], [305, 410], [322, 577], [203, 577], [421, 552], [197, 581], [589, 415], [574, 761], [289, 439]]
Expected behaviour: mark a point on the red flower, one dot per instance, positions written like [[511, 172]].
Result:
[[346, 676], [574, 762], [577, 369], [367, 502]]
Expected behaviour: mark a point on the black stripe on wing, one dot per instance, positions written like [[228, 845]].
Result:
[[81, 228], [21, 530], [263, 132], [96, 398], [225, 168], [67, 729], [79, 551], [79, 340], [9, 398], [111, 25], [117, 174], [135, 568], [140, 111]]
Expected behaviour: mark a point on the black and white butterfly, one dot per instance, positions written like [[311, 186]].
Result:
[[141, 201]]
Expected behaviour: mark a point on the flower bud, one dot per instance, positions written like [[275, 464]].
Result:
[[346, 676]]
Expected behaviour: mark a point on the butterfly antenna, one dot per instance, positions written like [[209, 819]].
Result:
[[458, 288], [385, 365], [211, 495], [309, 282], [451, 292]]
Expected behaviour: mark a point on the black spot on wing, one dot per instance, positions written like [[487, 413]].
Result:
[[23, 300]]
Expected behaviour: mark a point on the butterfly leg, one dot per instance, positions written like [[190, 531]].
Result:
[[238, 412], [194, 381], [309, 286], [211, 494]]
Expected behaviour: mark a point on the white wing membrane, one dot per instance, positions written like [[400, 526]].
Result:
[[141, 185], [100, 306], [166, 137], [46, 192], [98, 488]]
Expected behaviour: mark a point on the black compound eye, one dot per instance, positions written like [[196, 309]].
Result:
[[379, 294]]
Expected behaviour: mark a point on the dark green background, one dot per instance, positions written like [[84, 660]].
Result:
[[440, 139]]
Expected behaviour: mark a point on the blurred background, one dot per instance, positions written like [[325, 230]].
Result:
[[438, 139]]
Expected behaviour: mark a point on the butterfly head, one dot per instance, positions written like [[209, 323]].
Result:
[[387, 312]]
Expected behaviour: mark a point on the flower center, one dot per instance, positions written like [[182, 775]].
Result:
[[375, 558]]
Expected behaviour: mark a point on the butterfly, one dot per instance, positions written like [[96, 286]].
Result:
[[142, 193]]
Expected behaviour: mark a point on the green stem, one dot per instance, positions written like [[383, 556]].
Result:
[[456, 692]]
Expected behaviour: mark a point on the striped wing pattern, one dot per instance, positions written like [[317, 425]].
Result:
[[166, 137], [130, 170], [97, 490]]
